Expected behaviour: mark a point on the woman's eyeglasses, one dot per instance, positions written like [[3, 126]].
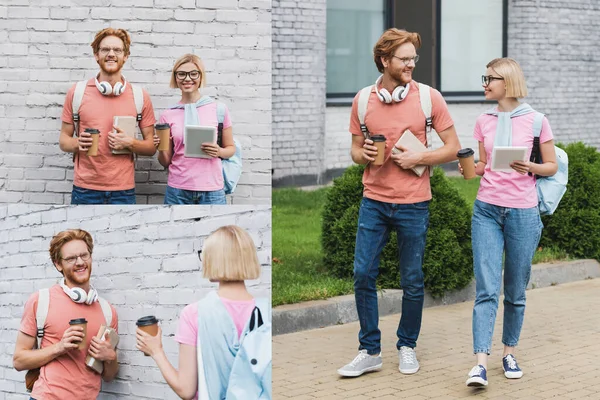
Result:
[[181, 75], [489, 78]]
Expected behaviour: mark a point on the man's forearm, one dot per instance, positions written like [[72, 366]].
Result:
[[439, 156], [357, 156], [69, 144], [143, 147], [110, 369], [31, 359]]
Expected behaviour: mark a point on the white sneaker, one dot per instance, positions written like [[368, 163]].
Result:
[[362, 363], [407, 360]]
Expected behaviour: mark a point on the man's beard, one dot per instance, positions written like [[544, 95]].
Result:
[[113, 69], [72, 277]]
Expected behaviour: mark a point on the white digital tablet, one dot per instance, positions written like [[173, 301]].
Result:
[[194, 136], [502, 156]]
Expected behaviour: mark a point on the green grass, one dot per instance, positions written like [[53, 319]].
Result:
[[298, 270]]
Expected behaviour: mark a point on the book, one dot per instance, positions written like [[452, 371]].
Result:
[[128, 125], [104, 333], [410, 141]]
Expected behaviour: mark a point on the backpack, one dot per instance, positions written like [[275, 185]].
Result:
[[138, 98], [245, 374], [425, 99], [41, 313], [232, 167], [251, 372], [550, 189]]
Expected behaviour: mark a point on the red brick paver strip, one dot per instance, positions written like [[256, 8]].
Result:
[[559, 353]]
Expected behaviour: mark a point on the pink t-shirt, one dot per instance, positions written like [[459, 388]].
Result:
[[197, 174], [187, 330], [508, 189]]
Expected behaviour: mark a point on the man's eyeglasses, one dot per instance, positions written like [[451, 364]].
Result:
[[72, 260], [407, 60], [181, 75], [105, 50], [487, 79]]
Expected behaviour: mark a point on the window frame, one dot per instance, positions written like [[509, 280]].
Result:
[[344, 99], [462, 96]]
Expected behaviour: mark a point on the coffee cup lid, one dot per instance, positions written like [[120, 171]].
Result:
[[162, 126], [378, 138], [145, 321], [78, 321], [463, 153], [91, 130]]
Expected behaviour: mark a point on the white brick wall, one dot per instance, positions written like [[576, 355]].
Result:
[[298, 87], [46, 48], [145, 263], [556, 42]]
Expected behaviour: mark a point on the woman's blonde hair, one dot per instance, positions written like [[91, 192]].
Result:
[[186, 58], [513, 76], [389, 42], [229, 254]]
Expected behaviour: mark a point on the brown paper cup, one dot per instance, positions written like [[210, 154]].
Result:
[[93, 150], [379, 142], [163, 132], [149, 325], [467, 162], [83, 323]]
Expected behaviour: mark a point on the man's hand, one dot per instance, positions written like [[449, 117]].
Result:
[[521, 167], [102, 350], [212, 149], [84, 141], [71, 339], [118, 140], [369, 151], [406, 159]]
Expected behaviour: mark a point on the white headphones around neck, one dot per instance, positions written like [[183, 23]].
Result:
[[78, 295], [106, 89], [399, 93]]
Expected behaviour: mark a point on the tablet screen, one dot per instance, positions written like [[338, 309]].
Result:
[[502, 156], [194, 136]]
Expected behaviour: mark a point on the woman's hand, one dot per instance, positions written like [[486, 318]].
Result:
[[521, 167], [212, 149], [147, 343]]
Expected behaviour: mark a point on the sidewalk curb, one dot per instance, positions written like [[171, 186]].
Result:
[[341, 310]]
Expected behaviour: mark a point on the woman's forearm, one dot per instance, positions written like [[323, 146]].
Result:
[[171, 375]]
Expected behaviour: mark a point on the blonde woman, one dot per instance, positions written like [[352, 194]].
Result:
[[194, 180], [211, 331], [506, 220]]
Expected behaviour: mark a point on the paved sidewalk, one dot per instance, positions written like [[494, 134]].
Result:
[[559, 353]]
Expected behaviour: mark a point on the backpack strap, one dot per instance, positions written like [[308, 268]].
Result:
[[77, 98], [106, 310], [536, 156], [363, 102], [425, 97], [41, 313], [220, 119], [138, 98]]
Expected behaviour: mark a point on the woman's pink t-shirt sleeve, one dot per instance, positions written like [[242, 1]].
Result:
[[187, 330], [546, 133]]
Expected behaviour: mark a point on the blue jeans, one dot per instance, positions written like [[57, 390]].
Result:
[[88, 196], [182, 196], [375, 221], [516, 233]]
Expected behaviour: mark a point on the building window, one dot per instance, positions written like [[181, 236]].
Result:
[[471, 34], [353, 27]]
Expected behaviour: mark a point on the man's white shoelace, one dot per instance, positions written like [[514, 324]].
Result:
[[361, 356], [408, 355]]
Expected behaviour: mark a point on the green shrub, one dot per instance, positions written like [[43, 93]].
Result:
[[575, 225], [448, 262]]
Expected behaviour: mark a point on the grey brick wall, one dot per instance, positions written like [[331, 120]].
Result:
[[558, 45], [46, 48], [556, 42], [145, 262], [298, 88]]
